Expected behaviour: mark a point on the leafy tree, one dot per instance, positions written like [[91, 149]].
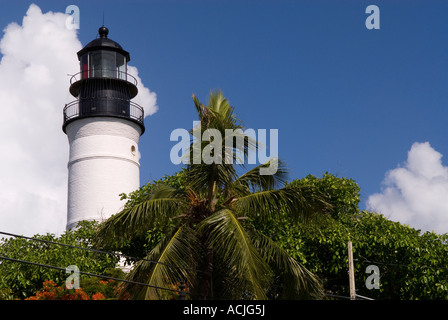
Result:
[[137, 246], [19, 280], [209, 239], [342, 193], [412, 265]]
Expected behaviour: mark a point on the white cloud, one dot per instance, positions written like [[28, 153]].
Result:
[[417, 192], [36, 58], [145, 98]]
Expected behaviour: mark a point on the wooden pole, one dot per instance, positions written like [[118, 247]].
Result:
[[351, 271]]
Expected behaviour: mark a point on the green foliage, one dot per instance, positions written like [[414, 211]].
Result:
[[18, 280], [107, 287], [412, 265], [176, 180], [342, 193], [139, 245]]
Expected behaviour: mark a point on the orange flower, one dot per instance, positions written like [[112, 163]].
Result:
[[98, 296]]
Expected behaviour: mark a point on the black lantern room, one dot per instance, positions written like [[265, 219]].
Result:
[[103, 87]]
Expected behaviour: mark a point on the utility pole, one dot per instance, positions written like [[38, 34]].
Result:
[[351, 271]]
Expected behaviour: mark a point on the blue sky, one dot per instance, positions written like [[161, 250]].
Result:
[[345, 99]]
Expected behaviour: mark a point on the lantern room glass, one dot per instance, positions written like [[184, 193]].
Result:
[[103, 64]]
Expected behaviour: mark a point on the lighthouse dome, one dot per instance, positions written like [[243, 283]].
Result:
[[103, 43]]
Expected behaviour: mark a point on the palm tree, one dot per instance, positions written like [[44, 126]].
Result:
[[211, 242]]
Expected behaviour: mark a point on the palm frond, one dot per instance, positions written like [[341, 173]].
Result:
[[201, 176], [253, 181], [221, 109], [302, 204], [297, 282], [231, 243], [213, 161], [264, 204], [162, 205], [199, 108], [239, 145], [174, 259], [309, 204]]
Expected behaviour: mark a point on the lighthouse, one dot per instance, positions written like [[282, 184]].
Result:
[[103, 127]]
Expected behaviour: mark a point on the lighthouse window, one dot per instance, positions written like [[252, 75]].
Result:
[[108, 64], [96, 65], [85, 66], [121, 66], [103, 64]]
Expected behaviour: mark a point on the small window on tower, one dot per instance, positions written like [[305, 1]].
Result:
[[133, 150]]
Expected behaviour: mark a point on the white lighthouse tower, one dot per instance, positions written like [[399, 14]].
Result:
[[103, 127]]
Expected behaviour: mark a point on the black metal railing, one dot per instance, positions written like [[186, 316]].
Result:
[[103, 73], [109, 107]]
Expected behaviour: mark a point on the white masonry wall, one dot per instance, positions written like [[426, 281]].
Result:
[[103, 162]]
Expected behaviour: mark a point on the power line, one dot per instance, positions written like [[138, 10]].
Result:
[[97, 251], [89, 274]]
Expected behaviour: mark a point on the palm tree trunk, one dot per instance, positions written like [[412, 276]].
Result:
[[208, 271], [207, 280], [212, 191]]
